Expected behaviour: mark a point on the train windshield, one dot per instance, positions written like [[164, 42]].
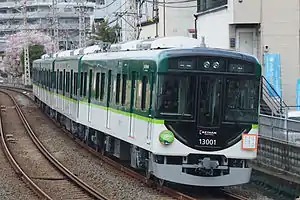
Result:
[[208, 99], [176, 96], [242, 99]]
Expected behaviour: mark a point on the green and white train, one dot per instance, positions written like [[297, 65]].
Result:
[[179, 112]]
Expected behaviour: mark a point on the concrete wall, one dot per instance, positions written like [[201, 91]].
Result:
[[280, 31], [214, 26], [172, 21]]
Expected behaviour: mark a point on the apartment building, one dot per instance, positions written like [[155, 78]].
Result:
[[39, 15]]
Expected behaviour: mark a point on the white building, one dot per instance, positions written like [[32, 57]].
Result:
[[174, 18], [39, 18], [256, 27]]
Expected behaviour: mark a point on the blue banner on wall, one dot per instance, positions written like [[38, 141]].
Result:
[[298, 94], [273, 73]]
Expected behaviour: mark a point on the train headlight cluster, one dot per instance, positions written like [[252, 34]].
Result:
[[214, 65]]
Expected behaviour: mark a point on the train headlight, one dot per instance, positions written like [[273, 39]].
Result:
[[206, 65], [166, 137], [216, 65]]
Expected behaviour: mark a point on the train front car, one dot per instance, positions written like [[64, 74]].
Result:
[[208, 101]]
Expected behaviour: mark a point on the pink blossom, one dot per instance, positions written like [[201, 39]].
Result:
[[15, 44]]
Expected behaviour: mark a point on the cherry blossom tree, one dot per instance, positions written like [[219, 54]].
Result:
[[15, 44]]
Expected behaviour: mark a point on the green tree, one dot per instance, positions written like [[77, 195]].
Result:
[[35, 52], [107, 33]]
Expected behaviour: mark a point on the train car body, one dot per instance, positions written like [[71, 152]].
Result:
[[185, 115]]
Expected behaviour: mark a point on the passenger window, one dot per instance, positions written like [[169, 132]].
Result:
[[97, 85], [81, 83], [133, 88], [57, 80], [124, 81], [64, 81], [145, 93], [67, 82], [102, 86], [118, 88], [109, 82], [54, 80], [85, 84], [71, 83], [60, 80], [90, 86], [75, 83]]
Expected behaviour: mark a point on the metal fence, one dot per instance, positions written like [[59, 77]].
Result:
[[280, 128]]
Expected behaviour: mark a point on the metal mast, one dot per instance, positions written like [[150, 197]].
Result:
[[27, 80], [55, 25], [131, 19], [82, 36]]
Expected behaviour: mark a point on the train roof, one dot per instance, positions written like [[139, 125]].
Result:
[[44, 60], [159, 54], [76, 57]]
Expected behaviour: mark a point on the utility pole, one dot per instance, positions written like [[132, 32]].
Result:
[[82, 30], [156, 11], [132, 17], [27, 80], [55, 25]]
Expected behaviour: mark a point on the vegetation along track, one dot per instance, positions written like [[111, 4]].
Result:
[[180, 193], [56, 186]]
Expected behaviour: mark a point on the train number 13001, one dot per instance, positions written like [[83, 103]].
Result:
[[208, 142]]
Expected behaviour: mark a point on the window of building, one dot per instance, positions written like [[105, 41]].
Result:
[[203, 5]]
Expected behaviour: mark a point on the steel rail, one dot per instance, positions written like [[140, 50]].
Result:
[[94, 193]]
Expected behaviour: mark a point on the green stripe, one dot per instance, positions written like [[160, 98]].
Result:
[[255, 126], [128, 114]]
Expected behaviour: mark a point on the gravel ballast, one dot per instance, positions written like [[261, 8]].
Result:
[[11, 187]]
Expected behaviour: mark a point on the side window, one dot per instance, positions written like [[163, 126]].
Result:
[[145, 101], [124, 81], [64, 81], [81, 83], [75, 83], [85, 84], [133, 90], [60, 80], [90, 85], [57, 81], [97, 89], [109, 85], [102, 86], [118, 88], [71, 83], [67, 82]]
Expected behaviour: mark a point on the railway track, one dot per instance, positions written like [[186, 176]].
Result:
[[69, 186], [174, 193]]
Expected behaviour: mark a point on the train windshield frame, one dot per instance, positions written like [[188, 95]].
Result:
[[208, 98]]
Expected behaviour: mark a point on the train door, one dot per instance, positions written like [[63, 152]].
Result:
[[147, 91], [108, 99], [132, 102], [90, 88]]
